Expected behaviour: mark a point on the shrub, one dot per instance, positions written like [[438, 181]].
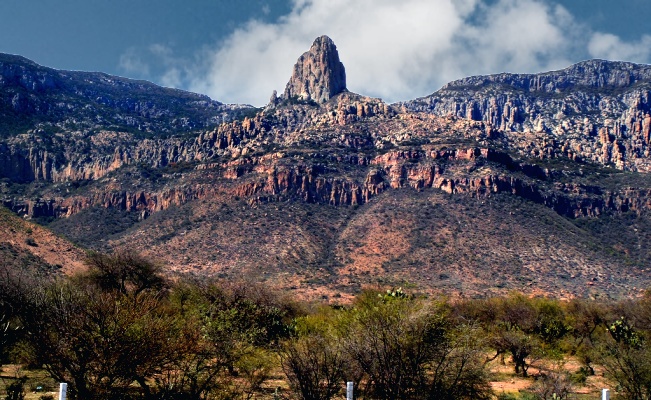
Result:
[[16, 389]]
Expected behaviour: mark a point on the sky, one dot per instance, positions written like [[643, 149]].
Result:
[[240, 51]]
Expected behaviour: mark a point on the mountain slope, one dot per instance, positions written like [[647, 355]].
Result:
[[36, 97], [24, 244], [528, 182]]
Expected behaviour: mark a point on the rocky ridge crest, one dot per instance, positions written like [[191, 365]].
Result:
[[318, 75], [33, 98], [595, 111]]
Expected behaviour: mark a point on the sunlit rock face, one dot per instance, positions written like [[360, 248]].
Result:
[[318, 74]]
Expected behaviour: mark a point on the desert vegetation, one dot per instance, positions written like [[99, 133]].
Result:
[[120, 330]]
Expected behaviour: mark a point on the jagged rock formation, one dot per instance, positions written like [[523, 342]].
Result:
[[318, 74], [596, 111], [141, 173]]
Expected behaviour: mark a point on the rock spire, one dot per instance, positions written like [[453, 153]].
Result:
[[318, 74]]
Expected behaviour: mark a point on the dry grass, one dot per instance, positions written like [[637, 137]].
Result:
[[503, 381], [35, 378]]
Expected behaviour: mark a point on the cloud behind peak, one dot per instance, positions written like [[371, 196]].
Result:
[[400, 50]]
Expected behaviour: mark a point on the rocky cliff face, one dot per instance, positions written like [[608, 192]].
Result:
[[94, 142], [359, 124], [597, 111], [318, 74]]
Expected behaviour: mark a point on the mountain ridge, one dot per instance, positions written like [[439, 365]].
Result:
[[604, 120], [626, 75], [301, 191], [34, 96]]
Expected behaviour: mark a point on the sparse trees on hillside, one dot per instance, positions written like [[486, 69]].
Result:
[[121, 331]]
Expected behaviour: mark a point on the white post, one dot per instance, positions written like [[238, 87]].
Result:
[[605, 394], [349, 391], [63, 388]]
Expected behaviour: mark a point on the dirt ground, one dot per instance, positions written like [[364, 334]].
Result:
[[504, 380]]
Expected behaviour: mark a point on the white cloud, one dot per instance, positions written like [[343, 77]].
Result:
[[131, 63], [396, 50], [158, 62], [611, 47]]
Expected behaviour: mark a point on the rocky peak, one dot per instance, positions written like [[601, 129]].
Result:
[[318, 74]]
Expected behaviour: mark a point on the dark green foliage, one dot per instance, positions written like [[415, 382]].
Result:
[[622, 332], [16, 389], [124, 272], [392, 346]]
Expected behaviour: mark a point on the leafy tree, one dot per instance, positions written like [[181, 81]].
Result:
[[518, 344], [124, 271], [626, 358], [551, 323], [588, 321], [527, 328], [221, 349], [315, 362], [98, 342], [457, 371], [407, 349]]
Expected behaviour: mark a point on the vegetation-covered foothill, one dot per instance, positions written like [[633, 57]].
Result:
[[120, 330]]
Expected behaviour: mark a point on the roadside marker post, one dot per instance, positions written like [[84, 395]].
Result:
[[349, 390], [63, 388], [605, 394]]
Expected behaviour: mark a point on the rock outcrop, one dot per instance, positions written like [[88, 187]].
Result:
[[318, 74], [108, 154], [597, 111]]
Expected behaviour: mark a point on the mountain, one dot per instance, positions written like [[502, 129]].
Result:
[[531, 182], [38, 99], [595, 111]]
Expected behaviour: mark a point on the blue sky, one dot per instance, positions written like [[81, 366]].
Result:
[[239, 51]]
